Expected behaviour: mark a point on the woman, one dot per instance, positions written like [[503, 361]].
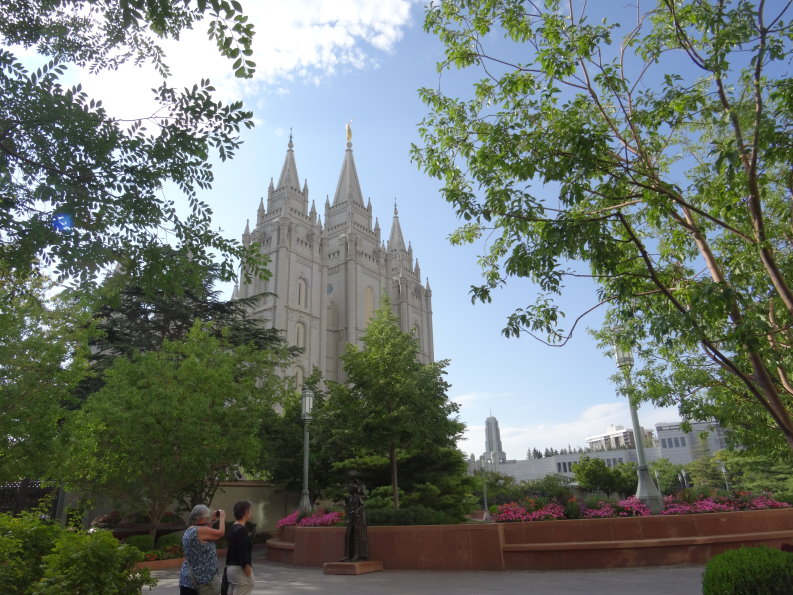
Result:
[[239, 571], [200, 564]]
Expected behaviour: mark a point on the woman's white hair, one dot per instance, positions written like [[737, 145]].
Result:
[[199, 512]]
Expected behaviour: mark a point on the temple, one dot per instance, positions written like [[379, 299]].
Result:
[[329, 273]]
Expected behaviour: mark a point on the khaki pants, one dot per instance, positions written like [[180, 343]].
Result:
[[239, 582]]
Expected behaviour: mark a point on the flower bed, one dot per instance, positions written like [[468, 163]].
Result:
[[533, 510], [319, 518]]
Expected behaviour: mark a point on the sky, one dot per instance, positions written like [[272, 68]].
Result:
[[323, 63]]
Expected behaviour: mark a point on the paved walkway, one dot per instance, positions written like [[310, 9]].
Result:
[[283, 579]]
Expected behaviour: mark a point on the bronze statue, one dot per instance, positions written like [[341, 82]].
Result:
[[356, 543]]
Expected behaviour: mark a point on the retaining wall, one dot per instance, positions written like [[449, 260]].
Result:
[[545, 545]]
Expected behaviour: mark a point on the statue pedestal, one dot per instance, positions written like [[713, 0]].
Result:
[[358, 567]]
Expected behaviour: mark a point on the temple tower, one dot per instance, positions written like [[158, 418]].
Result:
[[327, 278]]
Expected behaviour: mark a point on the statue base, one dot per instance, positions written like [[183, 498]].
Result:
[[357, 567]]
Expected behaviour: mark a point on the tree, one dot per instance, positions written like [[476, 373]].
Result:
[[281, 433], [626, 478], [662, 165], [757, 473], [705, 473], [41, 361], [500, 488], [81, 189], [171, 422], [592, 475], [391, 403], [554, 486], [667, 475], [135, 311]]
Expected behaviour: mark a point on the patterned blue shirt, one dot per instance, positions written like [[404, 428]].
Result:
[[202, 557]]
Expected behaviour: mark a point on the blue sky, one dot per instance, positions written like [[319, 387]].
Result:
[[322, 64]]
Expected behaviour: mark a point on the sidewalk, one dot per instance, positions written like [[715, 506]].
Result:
[[282, 579]]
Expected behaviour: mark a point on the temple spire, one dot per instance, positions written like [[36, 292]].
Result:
[[349, 188], [289, 177], [395, 240]]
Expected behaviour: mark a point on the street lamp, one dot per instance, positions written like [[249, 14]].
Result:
[[308, 404], [646, 490], [483, 466]]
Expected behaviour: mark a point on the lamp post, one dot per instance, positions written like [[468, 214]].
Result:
[[308, 404], [483, 466], [646, 490]]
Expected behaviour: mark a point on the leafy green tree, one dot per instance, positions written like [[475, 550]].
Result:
[[391, 404], [653, 159], [136, 311], [281, 433], [757, 473], [554, 486], [81, 189], [41, 361], [500, 488], [666, 474], [593, 475], [705, 473], [625, 478], [172, 423]]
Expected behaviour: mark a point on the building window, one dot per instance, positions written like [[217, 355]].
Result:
[[663, 442], [302, 293], [677, 442], [682, 440], [558, 467], [300, 335]]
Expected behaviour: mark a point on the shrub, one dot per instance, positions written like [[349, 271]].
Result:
[[92, 563], [169, 539], [171, 517], [409, 515], [749, 571], [143, 542], [24, 540]]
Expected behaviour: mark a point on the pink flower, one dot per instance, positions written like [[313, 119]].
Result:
[[289, 520], [509, 513], [321, 519]]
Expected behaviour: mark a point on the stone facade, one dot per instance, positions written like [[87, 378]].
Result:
[[328, 277]]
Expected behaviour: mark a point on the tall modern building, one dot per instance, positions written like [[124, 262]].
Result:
[[493, 449], [329, 273]]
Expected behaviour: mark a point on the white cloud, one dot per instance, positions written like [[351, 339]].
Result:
[[590, 422], [305, 40]]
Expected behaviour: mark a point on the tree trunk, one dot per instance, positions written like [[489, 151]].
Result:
[[155, 516], [392, 459]]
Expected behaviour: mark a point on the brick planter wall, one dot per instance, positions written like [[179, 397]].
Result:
[[544, 545]]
